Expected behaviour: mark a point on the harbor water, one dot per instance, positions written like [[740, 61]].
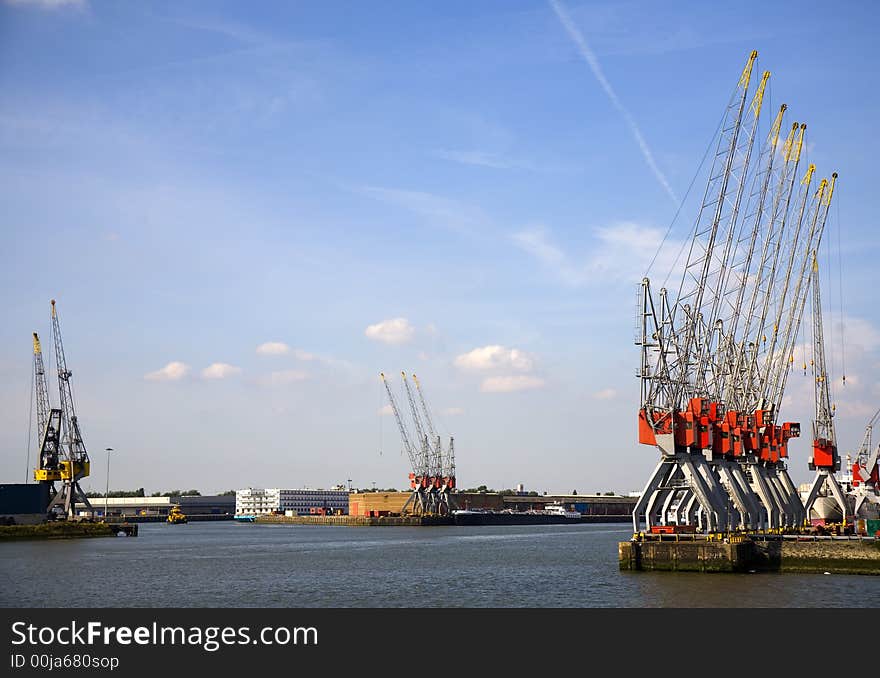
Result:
[[228, 564]]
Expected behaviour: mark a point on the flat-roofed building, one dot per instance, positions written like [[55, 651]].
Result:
[[214, 505], [301, 501]]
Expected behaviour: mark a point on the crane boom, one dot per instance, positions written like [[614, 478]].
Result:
[[825, 445], [76, 449], [404, 435], [41, 388]]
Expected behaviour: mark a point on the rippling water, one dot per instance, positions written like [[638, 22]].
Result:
[[242, 565]]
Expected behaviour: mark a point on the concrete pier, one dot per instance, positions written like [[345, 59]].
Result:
[[66, 530], [751, 553]]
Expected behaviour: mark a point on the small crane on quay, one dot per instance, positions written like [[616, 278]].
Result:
[[715, 358]]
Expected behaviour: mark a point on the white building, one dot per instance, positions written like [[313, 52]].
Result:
[[258, 502]]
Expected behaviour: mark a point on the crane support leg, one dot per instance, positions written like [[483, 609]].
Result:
[[757, 513], [656, 479], [767, 496], [702, 482], [746, 518], [794, 497], [824, 476], [786, 511]]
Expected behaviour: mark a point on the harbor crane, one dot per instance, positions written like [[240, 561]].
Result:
[[824, 460], [75, 464], [442, 465], [715, 357], [432, 478], [418, 474], [865, 473]]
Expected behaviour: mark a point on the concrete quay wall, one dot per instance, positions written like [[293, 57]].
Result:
[[802, 554]]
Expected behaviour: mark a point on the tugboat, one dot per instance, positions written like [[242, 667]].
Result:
[[176, 516]]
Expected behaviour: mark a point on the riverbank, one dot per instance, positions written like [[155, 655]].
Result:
[[66, 530]]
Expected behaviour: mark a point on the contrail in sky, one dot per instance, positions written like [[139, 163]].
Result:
[[588, 55]]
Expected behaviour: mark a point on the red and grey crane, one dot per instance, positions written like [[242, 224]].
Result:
[[715, 360], [865, 472], [824, 460], [432, 478]]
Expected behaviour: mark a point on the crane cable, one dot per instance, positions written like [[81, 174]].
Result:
[[381, 416], [681, 205], [30, 427], [840, 287]]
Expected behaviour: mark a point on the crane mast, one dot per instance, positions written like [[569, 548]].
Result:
[[824, 459]]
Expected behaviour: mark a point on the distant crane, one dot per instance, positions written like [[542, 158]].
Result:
[[432, 478], [442, 465], [865, 472], [825, 460], [418, 474], [48, 470], [75, 465]]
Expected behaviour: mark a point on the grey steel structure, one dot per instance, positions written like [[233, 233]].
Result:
[[715, 359]]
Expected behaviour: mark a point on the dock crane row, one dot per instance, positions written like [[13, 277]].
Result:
[[432, 478], [62, 455], [715, 358]]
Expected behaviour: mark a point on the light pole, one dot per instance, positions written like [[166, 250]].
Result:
[[107, 491]]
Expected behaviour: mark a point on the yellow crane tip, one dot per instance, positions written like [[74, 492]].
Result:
[[52, 301]]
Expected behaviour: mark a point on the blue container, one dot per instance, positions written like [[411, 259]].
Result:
[[20, 499]]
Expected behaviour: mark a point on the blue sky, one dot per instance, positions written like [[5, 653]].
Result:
[[194, 180]]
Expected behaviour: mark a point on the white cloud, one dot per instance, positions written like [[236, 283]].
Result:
[[495, 357], [171, 372], [446, 212], [508, 384], [220, 371], [621, 252], [605, 394], [385, 411], [452, 411], [393, 331], [273, 348], [48, 4], [284, 377], [857, 333], [478, 158]]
